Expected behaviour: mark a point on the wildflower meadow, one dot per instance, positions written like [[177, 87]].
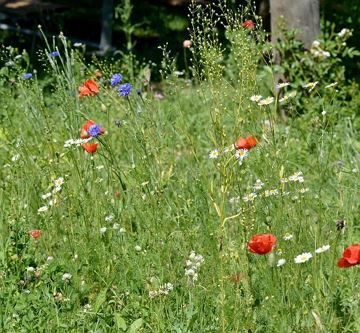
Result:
[[223, 199]]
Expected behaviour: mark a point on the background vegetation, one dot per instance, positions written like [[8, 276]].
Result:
[[150, 233]]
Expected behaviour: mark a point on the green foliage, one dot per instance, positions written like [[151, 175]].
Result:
[[168, 252]]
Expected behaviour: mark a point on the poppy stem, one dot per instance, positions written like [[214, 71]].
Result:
[[112, 161]]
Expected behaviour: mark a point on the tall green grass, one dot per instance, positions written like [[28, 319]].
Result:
[[121, 246]]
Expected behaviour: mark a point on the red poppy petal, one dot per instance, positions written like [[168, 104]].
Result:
[[90, 147], [251, 141], [241, 143], [343, 263], [92, 86]]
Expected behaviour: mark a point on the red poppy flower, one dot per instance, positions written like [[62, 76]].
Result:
[[90, 147], [35, 233], [262, 244], [248, 143], [84, 130], [350, 256], [89, 88], [248, 24]]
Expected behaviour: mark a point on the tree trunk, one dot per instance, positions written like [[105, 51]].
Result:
[[106, 29], [297, 14]]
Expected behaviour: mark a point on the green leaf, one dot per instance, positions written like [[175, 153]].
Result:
[[134, 327], [100, 300], [120, 321]]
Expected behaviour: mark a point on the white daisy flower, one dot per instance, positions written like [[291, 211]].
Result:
[[234, 200], [303, 190], [311, 85], [292, 94], [47, 195], [43, 209], [249, 197], [15, 157], [68, 143], [214, 154], [331, 85], [266, 101], [288, 237], [323, 248], [102, 230], [282, 85], [59, 181], [304, 257], [255, 98], [56, 189], [53, 202], [283, 99], [258, 185], [66, 277], [241, 154], [109, 218], [281, 262]]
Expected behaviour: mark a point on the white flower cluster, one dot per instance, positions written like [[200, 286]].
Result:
[[75, 142], [317, 51], [66, 277], [306, 256], [52, 194], [266, 101], [270, 193], [240, 154], [345, 32], [296, 177], [162, 291], [192, 266], [286, 97]]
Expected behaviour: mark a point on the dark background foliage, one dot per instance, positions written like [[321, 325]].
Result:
[[158, 22]]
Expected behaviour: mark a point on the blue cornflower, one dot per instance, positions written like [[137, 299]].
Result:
[[27, 76], [115, 79], [54, 54], [125, 89], [94, 130], [138, 91]]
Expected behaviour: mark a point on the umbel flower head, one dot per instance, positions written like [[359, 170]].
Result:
[[91, 129], [350, 256], [125, 89], [262, 244], [245, 143], [89, 88]]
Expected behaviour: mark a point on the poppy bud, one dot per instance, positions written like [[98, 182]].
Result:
[[35, 234]]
